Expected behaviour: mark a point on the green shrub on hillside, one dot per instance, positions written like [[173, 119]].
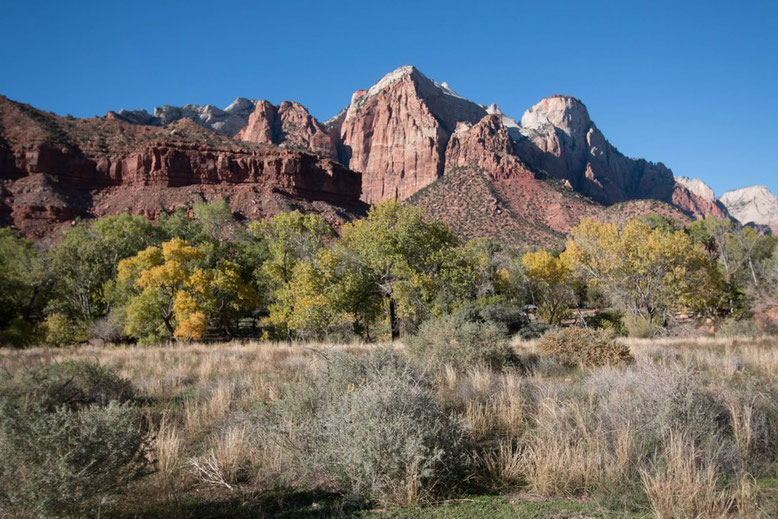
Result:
[[584, 347]]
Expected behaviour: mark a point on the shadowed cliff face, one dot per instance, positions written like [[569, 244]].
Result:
[[561, 139], [54, 169], [488, 190]]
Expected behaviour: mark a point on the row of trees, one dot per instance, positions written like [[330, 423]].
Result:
[[190, 277]]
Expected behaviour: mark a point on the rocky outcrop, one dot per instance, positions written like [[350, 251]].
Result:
[[226, 122], [289, 125], [489, 148], [53, 169], [487, 190], [753, 205], [559, 137], [396, 133]]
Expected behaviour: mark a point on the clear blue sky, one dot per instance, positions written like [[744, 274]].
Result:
[[693, 85]]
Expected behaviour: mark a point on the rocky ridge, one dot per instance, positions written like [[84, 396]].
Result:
[[407, 137]]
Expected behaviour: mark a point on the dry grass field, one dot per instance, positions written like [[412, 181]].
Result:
[[688, 429]]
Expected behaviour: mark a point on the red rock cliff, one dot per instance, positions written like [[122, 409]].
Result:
[[53, 169], [396, 133]]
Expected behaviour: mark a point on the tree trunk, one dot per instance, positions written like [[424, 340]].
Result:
[[393, 324]]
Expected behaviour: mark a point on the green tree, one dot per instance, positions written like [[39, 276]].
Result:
[[25, 286], [403, 255], [289, 239], [740, 251], [87, 256], [215, 219]]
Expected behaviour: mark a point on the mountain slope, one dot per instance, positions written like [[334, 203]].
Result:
[[53, 169], [487, 190]]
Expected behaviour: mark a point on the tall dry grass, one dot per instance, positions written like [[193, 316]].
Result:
[[684, 431]]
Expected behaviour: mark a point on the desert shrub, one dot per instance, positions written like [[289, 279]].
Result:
[[369, 425], [578, 347], [642, 328], [66, 462], [533, 330], [62, 331], [462, 343], [74, 384], [608, 320], [602, 435], [739, 328], [107, 329], [508, 317], [389, 441]]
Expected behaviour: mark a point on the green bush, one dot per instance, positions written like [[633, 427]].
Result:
[[533, 330], [74, 384], [62, 331], [456, 340], [739, 328], [608, 320], [642, 328], [511, 318], [67, 463], [579, 347]]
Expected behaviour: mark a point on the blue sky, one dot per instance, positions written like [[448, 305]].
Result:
[[691, 84]]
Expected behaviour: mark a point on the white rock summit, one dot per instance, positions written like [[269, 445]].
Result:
[[754, 204], [698, 187]]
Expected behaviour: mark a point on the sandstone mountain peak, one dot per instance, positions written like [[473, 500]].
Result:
[[396, 132], [493, 109], [392, 140]]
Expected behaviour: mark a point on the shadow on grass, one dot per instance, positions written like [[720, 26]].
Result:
[[282, 504]]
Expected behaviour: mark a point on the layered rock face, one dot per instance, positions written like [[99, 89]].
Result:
[[753, 205], [288, 125], [560, 138], [396, 133], [53, 169]]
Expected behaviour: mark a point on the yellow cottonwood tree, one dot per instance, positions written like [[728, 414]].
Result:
[[550, 281], [647, 272], [172, 295]]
